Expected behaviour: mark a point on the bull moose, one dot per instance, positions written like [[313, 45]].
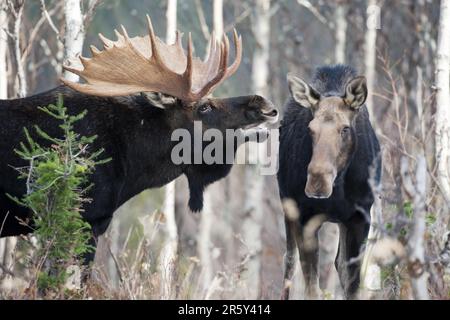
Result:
[[328, 152], [137, 91]]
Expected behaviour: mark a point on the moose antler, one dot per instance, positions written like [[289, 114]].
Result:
[[140, 64]]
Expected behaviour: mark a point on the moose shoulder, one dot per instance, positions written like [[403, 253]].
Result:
[[133, 118], [328, 155]]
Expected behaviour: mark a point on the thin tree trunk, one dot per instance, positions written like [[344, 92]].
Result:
[[416, 242], [9, 244], [370, 271], [370, 52], [21, 87], [171, 25], [341, 31], [218, 18], [207, 215], [253, 205], [3, 95], [74, 36], [168, 256], [3, 49], [442, 135]]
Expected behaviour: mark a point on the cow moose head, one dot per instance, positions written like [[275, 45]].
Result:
[[331, 130]]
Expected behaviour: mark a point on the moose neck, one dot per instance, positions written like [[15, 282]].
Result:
[[147, 140]]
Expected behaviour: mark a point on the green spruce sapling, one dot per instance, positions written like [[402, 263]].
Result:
[[57, 181]]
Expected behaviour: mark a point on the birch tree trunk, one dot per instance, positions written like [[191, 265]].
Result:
[[341, 31], [370, 271], [253, 186], [8, 245], [3, 49], [373, 16], [74, 37], [3, 91], [21, 83], [204, 238], [171, 25], [442, 117], [168, 256], [218, 18], [416, 241]]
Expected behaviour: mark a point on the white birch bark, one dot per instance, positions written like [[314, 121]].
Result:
[[21, 83], [171, 25], [7, 245], [253, 205], [341, 32], [74, 37], [218, 18], [370, 51], [370, 271], [416, 242], [3, 49], [207, 214], [442, 117], [168, 256]]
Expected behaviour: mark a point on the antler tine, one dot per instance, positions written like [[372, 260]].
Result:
[[124, 32], [155, 53], [118, 35], [95, 52], [171, 69], [84, 60], [188, 73], [73, 70], [106, 42], [237, 53], [221, 70]]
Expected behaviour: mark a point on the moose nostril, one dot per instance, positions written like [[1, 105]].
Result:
[[272, 113]]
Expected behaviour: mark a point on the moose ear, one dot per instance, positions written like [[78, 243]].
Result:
[[158, 99], [356, 92], [302, 92]]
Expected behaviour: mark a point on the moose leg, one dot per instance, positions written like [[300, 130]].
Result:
[[289, 259], [352, 235], [308, 248]]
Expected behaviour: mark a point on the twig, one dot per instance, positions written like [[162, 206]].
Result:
[[49, 19], [238, 20], [17, 13], [93, 4], [308, 5], [7, 271], [201, 18], [36, 29]]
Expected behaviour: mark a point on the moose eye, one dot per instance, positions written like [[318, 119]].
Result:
[[204, 108], [345, 131]]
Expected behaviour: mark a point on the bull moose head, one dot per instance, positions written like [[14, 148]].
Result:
[[331, 129], [171, 79]]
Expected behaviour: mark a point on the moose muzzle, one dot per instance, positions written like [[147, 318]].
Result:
[[319, 184]]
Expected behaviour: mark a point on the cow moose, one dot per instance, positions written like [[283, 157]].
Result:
[[137, 91], [329, 155]]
